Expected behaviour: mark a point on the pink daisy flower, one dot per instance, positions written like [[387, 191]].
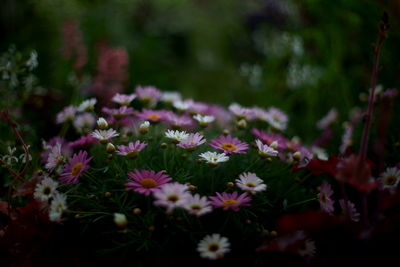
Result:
[[148, 94], [118, 113], [153, 115], [179, 122], [241, 112], [68, 114], [171, 196], [265, 151], [146, 182], [324, 197], [268, 138], [131, 150], [229, 145], [231, 201], [353, 213], [277, 119], [192, 141], [83, 141], [77, 164]]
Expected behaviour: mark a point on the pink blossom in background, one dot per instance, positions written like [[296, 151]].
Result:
[[73, 47]]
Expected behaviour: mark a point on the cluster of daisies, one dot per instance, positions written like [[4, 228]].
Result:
[[120, 131]]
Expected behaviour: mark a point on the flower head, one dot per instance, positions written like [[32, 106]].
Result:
[[87, 105], [192, 141], [176, 136], [230, 201], [213, 247], [118, 113], [148, 94], [204, 121], [77, 164], [178, 122], [241, 112], [55, 158], [84, 122], [83, 141], [123, 100], [229, 145], [68, 114], [153, 115], [45, 189], [250, 183], [146, 182], [265, 150], [328, 119], [390, 178], [131, 150], [57, 206], [171, 196], [104, 135], [213, 158], [170, 97], [324, 197], [197, 205], [352, 212], [277, 119]]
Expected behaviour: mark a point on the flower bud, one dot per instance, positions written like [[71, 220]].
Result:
[[242, 124], [274, 145], [102, 123], [110, 148], [120, 219], [144, 127]]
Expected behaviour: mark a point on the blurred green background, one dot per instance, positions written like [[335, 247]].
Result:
[[302, 56]]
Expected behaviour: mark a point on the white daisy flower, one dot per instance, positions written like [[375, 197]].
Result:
[[176, 136], [204, 121], [57, 206], [197, 205], [104, 135], [266, 151], [171, 97], [123, 100], [87, 105], [171, 196], [328, 119], [45, 190], [68, 114], [213, 158], [181, 105], [213, 247], [250, 183], [55, 157], [390, 178], [84, 121]]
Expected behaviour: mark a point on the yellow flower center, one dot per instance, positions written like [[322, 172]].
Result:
[[229, 147], [229, 202], [148, 183], [153, 116], [250, 185], [195, 207], [76, 169], [390, 180], [132, 154], [213, 247], [173, 198]]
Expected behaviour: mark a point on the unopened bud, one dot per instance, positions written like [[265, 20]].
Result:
[[120, 219], [144, 127], [225, 131], [230, 184], [110, 148], [107, 194], [297, 155], [102, 123], [136, 211], [163, 145], [274, 145], [242, 124]]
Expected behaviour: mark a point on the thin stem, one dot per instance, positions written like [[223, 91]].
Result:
[[371, 99]]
